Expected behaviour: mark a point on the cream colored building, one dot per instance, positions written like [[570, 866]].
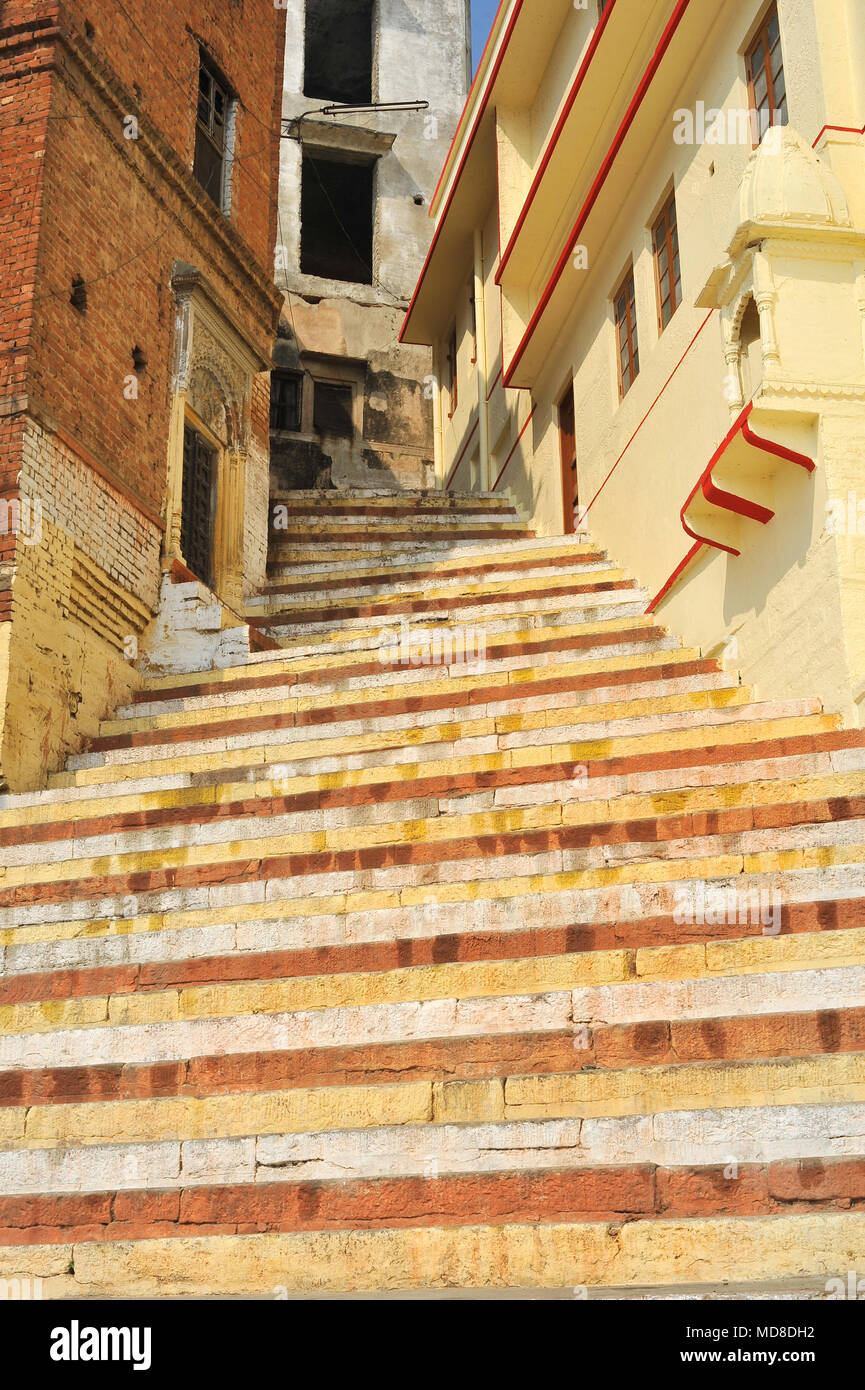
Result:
[[656, 211]]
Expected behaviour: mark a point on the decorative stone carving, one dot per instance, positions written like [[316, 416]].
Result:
[[785, 184], [212, 381], [790, 215], [218, 390]]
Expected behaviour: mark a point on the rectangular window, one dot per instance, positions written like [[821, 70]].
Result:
[[338, 51], [285, 401], [336, 201], [766, 83], [625, 306], [332, 409], [451, 365], [668, 273], [211, 131]]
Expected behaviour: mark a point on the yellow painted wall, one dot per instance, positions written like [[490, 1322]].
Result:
[[792, 598]]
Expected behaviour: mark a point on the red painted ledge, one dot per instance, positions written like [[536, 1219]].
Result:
[[725, 500]]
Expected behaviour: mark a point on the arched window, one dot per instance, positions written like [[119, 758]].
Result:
[[750, 351]]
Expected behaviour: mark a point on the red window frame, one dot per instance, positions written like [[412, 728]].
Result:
[[767, 84], [668, 269], [625, 310]]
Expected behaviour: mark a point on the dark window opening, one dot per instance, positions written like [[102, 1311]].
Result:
[[568, 457], [332, 409], [199, 502], [211, 125], [766, 81], [336, 220], [668, 271], [338, 50], [285, 401], [625, 304]]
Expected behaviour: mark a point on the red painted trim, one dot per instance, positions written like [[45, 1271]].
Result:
[[706, 474], [739, 505], [704, 540], [649, 411], [731, 502], [683, 565], [719, 452], [514, 449], [462, 455], [843, 129], [779, 450], [555, 137], [458, 175], [600, 180]]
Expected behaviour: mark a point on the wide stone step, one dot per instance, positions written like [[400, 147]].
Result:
[[384, 500], [318, 691], [597, 998], [428, 641], [352, 593], [622, 703], [266, 747], [472, 557], [319, 583], [136, 932], [641, 685], [504, 1254], [342, 974], [442, 612], [416, 828]]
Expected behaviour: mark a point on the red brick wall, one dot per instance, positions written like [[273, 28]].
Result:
[[78, 199], [25, 96]]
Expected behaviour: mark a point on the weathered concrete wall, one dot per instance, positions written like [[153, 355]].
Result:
[[419, 53]]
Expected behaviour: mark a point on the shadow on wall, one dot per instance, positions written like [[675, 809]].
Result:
[[780, 547]]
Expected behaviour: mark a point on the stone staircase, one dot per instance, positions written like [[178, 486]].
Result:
[[344, 970]]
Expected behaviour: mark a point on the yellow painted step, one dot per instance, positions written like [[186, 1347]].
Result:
[[266, 754], [461, 980], [838, 1080]]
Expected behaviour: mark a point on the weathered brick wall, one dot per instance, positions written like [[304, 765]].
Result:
[[26, 47], [118, 213], [104, 525], [87, 431]]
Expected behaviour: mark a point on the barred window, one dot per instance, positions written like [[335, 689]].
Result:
[[211, 131]]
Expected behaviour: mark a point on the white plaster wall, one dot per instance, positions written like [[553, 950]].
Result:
[[419, 54]]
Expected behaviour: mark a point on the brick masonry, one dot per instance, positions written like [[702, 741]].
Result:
[[97, 134]]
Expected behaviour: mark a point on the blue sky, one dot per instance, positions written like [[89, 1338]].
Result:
[[483, 14]]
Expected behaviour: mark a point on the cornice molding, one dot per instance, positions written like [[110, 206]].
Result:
[[110, 92]]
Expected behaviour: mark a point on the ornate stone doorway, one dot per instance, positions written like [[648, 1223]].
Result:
[[199, 504]]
